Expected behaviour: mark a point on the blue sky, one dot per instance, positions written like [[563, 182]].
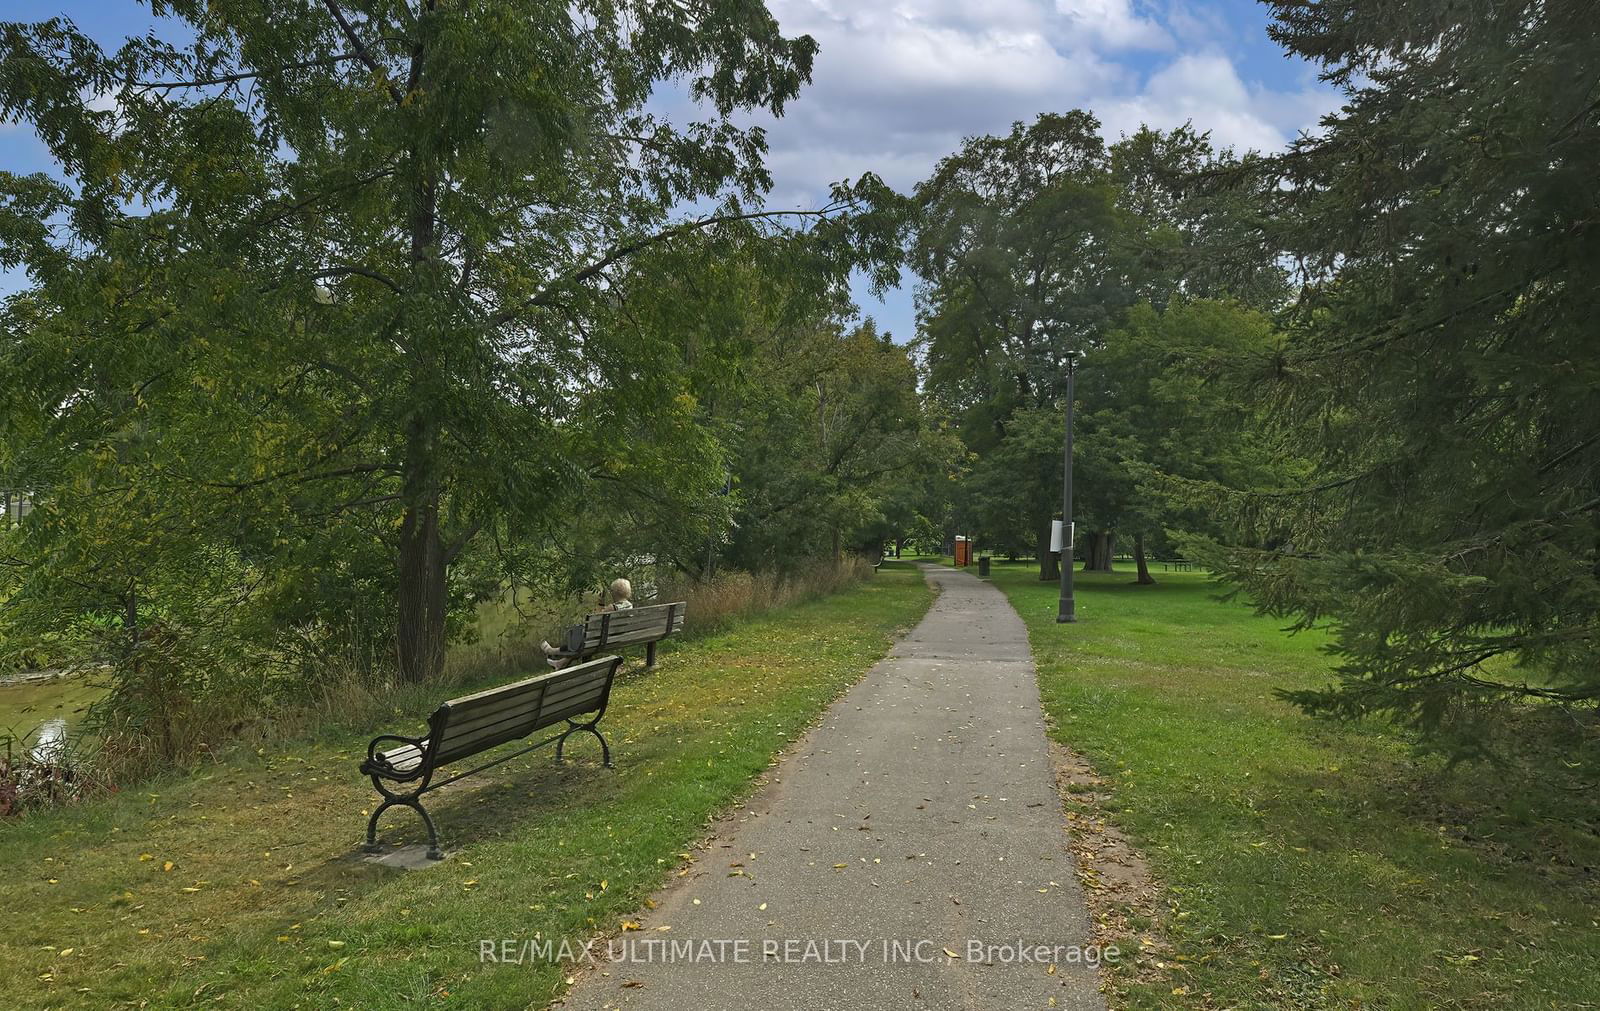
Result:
[[898, 85]]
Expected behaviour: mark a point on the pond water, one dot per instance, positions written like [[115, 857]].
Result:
[[50, 739], [44, 710]]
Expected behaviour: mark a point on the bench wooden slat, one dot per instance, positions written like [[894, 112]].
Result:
[[566, 693], [577, 708], [651, 614], [654, 622], [458, 739], [497, 696], [657, 620], [625, 638], [528, 707], [403, 759], [528, 710], [453, 749], [472, 724]]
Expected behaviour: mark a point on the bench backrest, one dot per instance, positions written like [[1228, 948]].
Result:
[[473, 723], [633, 626]]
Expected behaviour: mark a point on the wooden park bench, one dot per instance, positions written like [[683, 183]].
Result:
[[473, 724], [609, 630]]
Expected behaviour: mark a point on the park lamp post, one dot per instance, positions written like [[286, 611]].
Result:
[[1067, 612]]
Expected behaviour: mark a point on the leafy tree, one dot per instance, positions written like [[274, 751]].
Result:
[[831, 430], [356, 266], [1014, 489], [1039, 243], [1168, 410], [1443, 374], [1205, 216], [1021, 249]]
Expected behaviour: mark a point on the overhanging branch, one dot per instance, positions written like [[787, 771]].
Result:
[[546, 296]]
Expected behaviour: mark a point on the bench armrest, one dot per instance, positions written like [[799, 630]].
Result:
[[370, 766]]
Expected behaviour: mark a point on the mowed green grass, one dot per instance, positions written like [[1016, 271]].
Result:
[[241, 885], [1309, 864]]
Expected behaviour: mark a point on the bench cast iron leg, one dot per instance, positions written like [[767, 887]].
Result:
[[434, 853], [649, 654], [391, 800], [372, 828], [605, 749]]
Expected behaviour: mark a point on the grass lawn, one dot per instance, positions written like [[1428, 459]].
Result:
[[240, 885], [1307, 864]]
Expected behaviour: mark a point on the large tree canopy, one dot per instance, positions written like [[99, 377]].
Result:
[[1037, 244], [1444, 367], [339, 273]]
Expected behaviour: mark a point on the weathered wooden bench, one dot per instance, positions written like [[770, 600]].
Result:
[[473, 724], [609, 630]]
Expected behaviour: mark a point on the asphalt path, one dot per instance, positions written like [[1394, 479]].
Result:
[[909, 853]]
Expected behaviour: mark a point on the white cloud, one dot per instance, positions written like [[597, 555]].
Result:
[[897, 86], [1114, 23], [1206, 89]]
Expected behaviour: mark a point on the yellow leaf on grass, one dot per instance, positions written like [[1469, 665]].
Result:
[[169, 865]]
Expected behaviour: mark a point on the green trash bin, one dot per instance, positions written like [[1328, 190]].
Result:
[[983, 566]]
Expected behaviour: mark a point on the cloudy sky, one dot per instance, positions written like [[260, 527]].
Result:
[[897, 85]]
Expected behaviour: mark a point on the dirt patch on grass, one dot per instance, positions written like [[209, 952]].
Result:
[[1126, 903]]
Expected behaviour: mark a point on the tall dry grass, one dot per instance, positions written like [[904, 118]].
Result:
[[348, 695], [713, 604], [510, 630]]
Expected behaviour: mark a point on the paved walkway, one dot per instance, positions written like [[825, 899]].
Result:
[[920, 816]]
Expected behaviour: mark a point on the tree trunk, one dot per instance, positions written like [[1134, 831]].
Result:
[[420, 628], [1049, 565], [1097, 554], [838, 551], [422, 562], [1145, 579]]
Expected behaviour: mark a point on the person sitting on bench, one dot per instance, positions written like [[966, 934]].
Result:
[[621, 600]]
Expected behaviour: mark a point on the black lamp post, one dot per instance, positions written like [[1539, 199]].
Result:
[[1067, 611]]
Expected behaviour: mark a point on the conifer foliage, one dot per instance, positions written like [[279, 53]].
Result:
[[1443, 371]]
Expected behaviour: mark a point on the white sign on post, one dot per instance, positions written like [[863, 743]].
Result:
[[1055, 535]]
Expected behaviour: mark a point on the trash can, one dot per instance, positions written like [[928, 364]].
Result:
[[983, 566]]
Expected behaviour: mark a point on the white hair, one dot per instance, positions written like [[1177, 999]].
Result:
[[621, 589]]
